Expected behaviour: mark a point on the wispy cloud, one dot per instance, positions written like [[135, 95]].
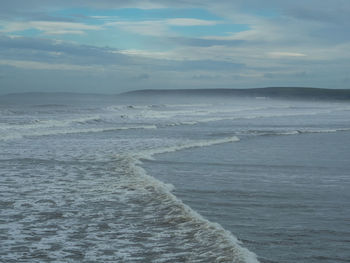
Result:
[[24, 64], [285, 54], [190, 22], [159, 27], [48, 27], [149, 28]]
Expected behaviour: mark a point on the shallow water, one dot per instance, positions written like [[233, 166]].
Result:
[[274, 174]]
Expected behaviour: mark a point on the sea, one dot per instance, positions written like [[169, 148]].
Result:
[[95, 178]]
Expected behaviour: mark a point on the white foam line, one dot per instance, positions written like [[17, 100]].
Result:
[[148, 154], [323, 131], [49, 123], [303, 131], [73, 131], [193, 112], [213, 119], [293, 132], [145, 181]]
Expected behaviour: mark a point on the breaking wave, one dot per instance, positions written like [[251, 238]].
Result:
[[214, 243], [33, 124], [36, 133], [148, 154], [294, 132]]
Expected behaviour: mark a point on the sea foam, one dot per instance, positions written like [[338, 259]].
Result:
[[206, 233]]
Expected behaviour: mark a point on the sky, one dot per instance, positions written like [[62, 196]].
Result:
[[113, 46]]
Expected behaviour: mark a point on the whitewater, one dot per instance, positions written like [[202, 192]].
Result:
[[115, 179]]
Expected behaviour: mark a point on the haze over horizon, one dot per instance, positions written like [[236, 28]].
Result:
[[116, 46]]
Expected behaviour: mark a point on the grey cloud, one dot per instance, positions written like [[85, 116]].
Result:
[[336, 11], [200, 42], [190, 65], [45, 17], [209, 65], [311, 14], [50, 51], [27, 7], [53, 51]]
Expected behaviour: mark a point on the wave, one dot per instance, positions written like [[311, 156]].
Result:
[[214, 119], [192, 116], [188, 105], [49, 106], [154, 106], [204, 112], [181, 123], [292, 132], [179, 110], [132, 107], [34, 124], [323, 130], [215, 244], [148, 154], [13, 136]]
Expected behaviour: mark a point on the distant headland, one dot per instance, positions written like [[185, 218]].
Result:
[[300, 93], [268, 92]]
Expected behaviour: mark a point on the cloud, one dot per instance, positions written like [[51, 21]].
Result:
[[38, 53], [59, 52], [49, 27], [285, 55], [209, 65], [190, 22], [35, 65], [205, 42], [159, 28], [148, 28], [167, 55]]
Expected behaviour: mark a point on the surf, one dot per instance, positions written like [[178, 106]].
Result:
[[213, 242]]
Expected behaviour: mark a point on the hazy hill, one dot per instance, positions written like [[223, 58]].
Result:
[[271, 92]]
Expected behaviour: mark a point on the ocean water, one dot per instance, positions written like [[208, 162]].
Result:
[[114, 179]]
